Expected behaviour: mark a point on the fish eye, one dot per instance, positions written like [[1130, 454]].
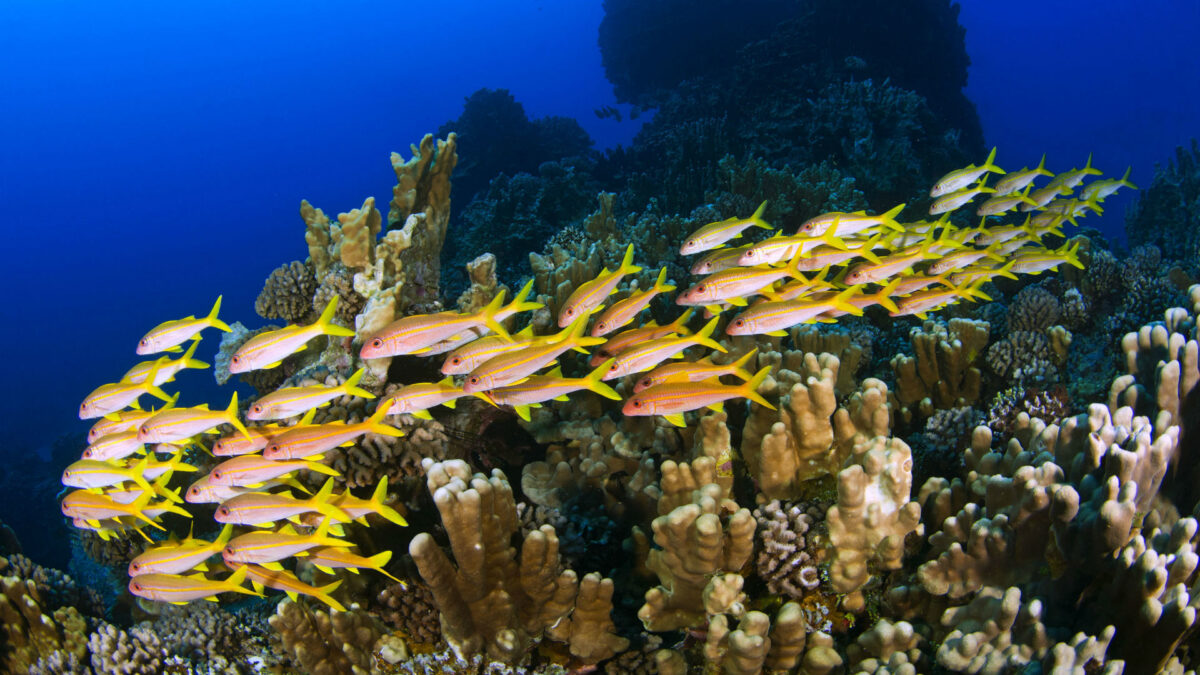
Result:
[[613, 367], [474, 380], [691, 242], [217, 474], [236, 359], [137, 586], [224, 510], [637, 403], [570, 311], [739, 322], [256, 408], [135, 566], [377, 342], [700, 288], [87, 454], [456, 360], [229, 550], [143, 342], [273, 449], [194, 491]]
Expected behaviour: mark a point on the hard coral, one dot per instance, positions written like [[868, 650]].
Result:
[[288, 294]]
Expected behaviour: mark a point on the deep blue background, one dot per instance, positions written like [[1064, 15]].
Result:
[[153, 155]]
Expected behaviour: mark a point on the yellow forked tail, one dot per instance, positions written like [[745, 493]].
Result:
[[326, 324], [212, 319], [593, 381]]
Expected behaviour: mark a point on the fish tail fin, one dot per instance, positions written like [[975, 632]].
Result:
[[321, 468], [351, 387], [757, 218], [326, 324], [488, 314], [1072, 255], [661, 285], [231, 416], [137, 471], [593, 381], [704, 337], [521, 302], [376, 425], [990, 163], [188, 361], [322, 538], [321, 503], [889, 219], [212, 319], [1125, 179], [842, 301], [576, 338], [680, 324], [225, 536], [377, 499], [148, 384], [1088, 169], [380, 559], [1041, 168], [867, 248], [627, 266], [750, 388], [971, 290], [233, 583], [884, 296], [323, 594], [739, 366]]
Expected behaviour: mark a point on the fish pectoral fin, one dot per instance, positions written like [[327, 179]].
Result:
[[422, 415], [292, 595], [564, 397], [719, 406], [273, 566], [174, 349], [777, 333], [676, 419], [324, 568], [737, 301], [522, 412], [93, 523]]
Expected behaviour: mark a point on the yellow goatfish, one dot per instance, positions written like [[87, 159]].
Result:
[[274, 576], [328, 558], [94, 507], [626, 339], [1017, 181], [114, 446], [540, 388], [842, 224], [155, 468], [892, 265], [1001, 204], [178, 557], [110, 528], [177, 424], [168, 335], [961, 178], [773, 318], [623, 311], [515, 366], [266, 547], [591, 294], [316, 439], [1101, 189], [125, 420], [1070, 179], [713, 235], [720, 259], [1038, 261], [703, 369], [261, 509], [923, 302], [204, 492], [412, 334], [672, 399], [180, 590], [292, 401], [359, 509], [469, 356], [882, 297], [417, 399], [1044, 196], [107, 399], [166, 369], [960, 259], [735, 285], [269, 349], [90, 473], [647, 355], [980, 273], [254, 470], [954, 200], [259, 437]]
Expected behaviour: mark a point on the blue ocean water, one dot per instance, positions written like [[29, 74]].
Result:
[[154, 154]]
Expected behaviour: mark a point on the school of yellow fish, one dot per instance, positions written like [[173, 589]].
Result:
[[852, 261]]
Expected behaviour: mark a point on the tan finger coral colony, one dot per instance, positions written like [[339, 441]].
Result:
[[771, 518]]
